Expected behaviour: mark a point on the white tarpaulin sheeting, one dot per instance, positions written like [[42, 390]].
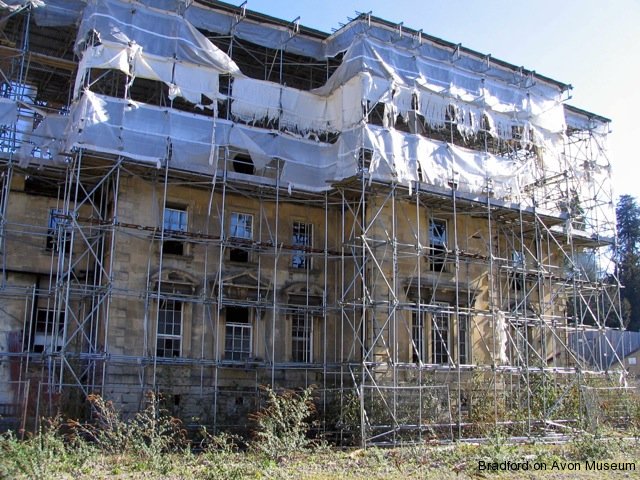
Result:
[[420, 82], [150, 43], [144, 133]]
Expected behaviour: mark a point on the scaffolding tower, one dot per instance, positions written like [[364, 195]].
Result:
[[152, 239]]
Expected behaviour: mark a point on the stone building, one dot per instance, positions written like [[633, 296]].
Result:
[[198, 199]]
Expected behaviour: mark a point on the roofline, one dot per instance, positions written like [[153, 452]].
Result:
[[261, 17], [468, 51], [587, 114], [321, 35]]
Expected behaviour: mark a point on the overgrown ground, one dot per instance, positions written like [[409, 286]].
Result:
[[45, 461], [153, 445]]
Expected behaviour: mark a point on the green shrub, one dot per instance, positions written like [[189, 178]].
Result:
[[148, 437], [282, 425]]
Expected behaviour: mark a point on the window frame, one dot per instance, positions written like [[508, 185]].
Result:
[[237, 254], [306, 339], [301, 259], [174, 245], [57, 229], [437, 337], [464, 339], [241, 326], [170, 336], [419, 353], [47, 337], [438, 245]]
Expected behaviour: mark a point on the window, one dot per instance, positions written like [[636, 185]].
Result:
[[243, 164], [175, 222], [417, 338], [517, 275], [440, 335], [364, 161], [464, 356], [238, 334], [48, 331], [240, 228], [302, 237], [57, 235], [301, 338], [169, 337], [437, 244]]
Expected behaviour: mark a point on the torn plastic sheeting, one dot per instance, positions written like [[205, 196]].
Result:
[[455, 87], [255, 99], [272, 36], [158, 32], [187, 80], [240, 137], [194, 81], [49, 13], [299, 110], [397, 154], [58, 13], [144, 131], [13, 5], [8, 111], [306, 177], [49, 140], [475, 67]]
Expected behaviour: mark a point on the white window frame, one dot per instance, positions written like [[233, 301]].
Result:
[[306, 339], [464, 339], [235, 225], [245, 329], [437, 336], [170, 214], [169, 336], [418, 336]]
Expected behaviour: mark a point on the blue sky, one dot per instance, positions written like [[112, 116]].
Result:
[[592, 45]]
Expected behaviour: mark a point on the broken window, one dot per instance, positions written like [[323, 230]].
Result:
[[302, 237], [175, 223], [240, 228], [58, 236], [437, 244], [47, 331], [238, 334], [242, 163]]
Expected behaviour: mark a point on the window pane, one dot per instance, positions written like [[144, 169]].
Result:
[[169, 336], [417, 336], [241, 226], [301, 337], [175, 219], [302, 236], [440, 336], [237, 343]]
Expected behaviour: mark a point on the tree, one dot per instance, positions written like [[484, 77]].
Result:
[[628, 259]]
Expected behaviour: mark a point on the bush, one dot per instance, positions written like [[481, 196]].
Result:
[[42, 455], [282, 425], [148, 436]]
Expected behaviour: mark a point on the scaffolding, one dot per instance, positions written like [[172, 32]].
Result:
[[182, 236]]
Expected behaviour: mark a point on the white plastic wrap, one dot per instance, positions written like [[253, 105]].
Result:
[[149, 43], [144, 133], [8, 111]]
